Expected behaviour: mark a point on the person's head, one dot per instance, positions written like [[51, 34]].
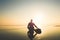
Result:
[[31, 20]]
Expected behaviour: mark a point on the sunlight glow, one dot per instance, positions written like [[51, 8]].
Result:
[[38, 19]]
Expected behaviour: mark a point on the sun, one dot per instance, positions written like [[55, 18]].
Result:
[[39, 20]]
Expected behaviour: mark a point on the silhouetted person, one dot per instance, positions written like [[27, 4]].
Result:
[[31, 26]]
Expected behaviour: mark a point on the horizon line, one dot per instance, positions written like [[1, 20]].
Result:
[[12, 25]]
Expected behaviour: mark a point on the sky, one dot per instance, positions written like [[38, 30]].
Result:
[[19, 12]]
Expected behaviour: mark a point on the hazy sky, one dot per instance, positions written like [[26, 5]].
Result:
[[15, 12]]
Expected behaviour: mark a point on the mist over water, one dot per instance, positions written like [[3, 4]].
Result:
[[20, 33]]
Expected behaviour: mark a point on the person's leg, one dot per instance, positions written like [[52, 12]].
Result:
[[30, 35]]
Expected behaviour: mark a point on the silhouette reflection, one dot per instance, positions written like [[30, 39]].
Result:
[[31, 34]]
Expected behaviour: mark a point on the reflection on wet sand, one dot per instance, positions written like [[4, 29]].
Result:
[[21, 34], [30, 35]]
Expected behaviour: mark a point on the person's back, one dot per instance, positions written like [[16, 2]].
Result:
[[31, 25]]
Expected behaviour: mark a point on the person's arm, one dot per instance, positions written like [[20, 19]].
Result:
[[35, 26]]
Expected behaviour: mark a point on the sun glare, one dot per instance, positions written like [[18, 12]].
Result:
[[39, 20]]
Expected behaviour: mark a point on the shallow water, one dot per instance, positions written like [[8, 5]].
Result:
[[20, 33]]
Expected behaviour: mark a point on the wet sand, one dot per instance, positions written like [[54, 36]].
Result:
[[20, 33]]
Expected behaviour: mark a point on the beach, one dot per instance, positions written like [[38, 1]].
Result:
[[20, 33]]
